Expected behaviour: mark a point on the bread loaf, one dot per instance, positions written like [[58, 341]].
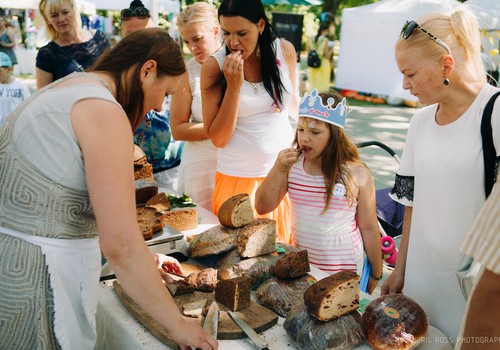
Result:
[[280, 295], [395, 322], [149, 221], [257, 238], [258, 268], [159, 202], [292, 265], [236, 212], [181, 219], [234, 292], [333, 296], [215, 240], [180, 287], [204, 280], [345, 332]]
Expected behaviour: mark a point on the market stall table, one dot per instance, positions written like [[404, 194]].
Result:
[[117, 328]]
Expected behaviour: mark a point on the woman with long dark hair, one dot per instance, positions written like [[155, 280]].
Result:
[[248, 94]]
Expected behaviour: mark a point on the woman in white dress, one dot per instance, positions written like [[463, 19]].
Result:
[[441, 175], [200, 31]]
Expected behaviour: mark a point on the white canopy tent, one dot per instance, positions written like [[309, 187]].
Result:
[[154, 6], [366, 57], [85, 6], [487, 11]]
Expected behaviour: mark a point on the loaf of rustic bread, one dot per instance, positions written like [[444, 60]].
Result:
[[280, 295], [180, 287], [395, 322], [345, 332], [181, 218], [159, 202], [215, 240], [292, 265], [333, 296], [234, 292], [204, 280], [149, 221], [236, 212], [257, 238], [258, 268]]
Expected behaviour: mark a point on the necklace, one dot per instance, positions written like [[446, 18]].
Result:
[[141, 135], [254, 87]]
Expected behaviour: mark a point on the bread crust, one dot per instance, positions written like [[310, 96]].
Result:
[[333, 296], [292, 265], [236, 212], [395, 322], [257, 238]]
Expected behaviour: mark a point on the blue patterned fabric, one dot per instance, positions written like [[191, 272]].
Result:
[[162, 151]]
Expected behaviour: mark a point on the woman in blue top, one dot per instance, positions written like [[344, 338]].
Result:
[[71, 48]]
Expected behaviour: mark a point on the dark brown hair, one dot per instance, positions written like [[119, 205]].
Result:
[[337, 155], [130, 54]]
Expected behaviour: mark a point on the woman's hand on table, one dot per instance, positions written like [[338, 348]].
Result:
[[167, 264], [394, 283], [192, 336]]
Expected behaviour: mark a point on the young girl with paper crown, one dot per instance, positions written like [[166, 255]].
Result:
[[332, 193]]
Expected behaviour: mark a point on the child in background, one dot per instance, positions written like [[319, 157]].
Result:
[[12, 91], [332, 193]]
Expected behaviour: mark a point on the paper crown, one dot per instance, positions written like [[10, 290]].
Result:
[[311, 106]]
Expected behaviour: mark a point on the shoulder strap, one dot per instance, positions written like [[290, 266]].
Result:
[[489, 152]]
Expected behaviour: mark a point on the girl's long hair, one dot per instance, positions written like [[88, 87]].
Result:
[[130, 54]]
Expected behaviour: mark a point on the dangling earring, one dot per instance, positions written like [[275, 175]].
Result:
[[446, 82]]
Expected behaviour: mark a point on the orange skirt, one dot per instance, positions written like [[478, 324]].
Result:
[[227, 186]]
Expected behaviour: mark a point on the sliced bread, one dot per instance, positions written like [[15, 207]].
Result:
[[333, 296], [257, 238]]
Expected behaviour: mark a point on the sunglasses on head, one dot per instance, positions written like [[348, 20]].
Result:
[[139, 12], [410, 26]]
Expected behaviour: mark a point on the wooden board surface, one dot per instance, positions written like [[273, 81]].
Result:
[[257, 316]]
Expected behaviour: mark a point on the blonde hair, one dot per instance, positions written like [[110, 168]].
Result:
[[461, 32], [46, 7], [199, 12]]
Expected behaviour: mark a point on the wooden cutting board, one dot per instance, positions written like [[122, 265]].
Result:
[[257, 316]]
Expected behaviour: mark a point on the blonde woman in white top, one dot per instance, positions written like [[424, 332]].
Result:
[[200, 31]]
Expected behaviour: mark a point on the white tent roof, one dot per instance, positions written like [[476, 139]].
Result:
[[86, 7], [487, 11], [170, 6], [366, 57]]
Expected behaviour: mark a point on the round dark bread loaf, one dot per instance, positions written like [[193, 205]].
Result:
[[308, 333], [395, 322]]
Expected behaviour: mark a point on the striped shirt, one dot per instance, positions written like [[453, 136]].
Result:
[[483, 241], [332, 239]]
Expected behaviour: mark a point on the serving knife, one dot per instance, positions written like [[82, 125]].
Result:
[[212, 320], [254, 337]]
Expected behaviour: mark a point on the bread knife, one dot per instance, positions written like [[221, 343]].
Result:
[[212, 320], [254, 337]]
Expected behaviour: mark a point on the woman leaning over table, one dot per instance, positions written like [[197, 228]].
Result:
[[247, 98], [69, 149], [200, 31], [440, 179], [71, 49]]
